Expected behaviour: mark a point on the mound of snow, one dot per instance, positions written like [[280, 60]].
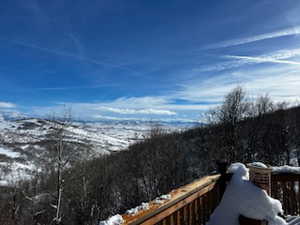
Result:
[[258, 165], [286, 169], [161, 199], [242, 197], [133, 211], [114, 220]]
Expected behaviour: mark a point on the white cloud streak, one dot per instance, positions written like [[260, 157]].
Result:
[[280, 82], [145, 119], [239, 61], [162, 108], [276, 34], [262, 59], [7, 105], [140, 111]]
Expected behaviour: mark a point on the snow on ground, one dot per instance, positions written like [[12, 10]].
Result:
[[16, 172], [9, 153], [25, 140], [114, 220], [242, 197]]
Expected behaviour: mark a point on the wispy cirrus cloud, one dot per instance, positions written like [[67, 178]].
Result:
[[7, 105], [276, 34], [255, 59], [74, 87], [162, 108], [234, 61], [78, 57], [281, 82], [145, 119], [149, 111]]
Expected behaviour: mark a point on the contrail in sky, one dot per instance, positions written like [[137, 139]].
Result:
[[77, 57], [260, 37], [263, 59]]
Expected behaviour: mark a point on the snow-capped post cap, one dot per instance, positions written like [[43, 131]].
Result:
[[260, 175]]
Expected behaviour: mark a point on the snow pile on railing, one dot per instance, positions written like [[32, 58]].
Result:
[[118, 219], [285, 169], [161, 199], [133, 211], [242, 197], [258, 165], [278, 169], [114, 220]]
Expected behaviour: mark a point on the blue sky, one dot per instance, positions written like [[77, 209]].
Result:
[[168, 60]]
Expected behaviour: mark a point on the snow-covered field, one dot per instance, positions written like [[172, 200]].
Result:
[[23, 142]]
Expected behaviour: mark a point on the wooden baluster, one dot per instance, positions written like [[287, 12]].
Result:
[[173, 218], [177, 218], [191, 214], [210, 203], [289, 196], [285, 197], [167, 220], [272, 187], [293, 198], [181, 216], [277, 190], [185, 216], [298, 197], [200, 211], [196, 211], [206, 207]]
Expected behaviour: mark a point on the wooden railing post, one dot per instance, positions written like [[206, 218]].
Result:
[[261, 177]]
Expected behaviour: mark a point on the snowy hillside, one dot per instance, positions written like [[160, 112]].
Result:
[[24, 143]]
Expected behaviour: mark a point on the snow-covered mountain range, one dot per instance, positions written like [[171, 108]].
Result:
[[24, 142]]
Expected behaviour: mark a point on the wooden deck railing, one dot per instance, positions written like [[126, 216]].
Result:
[[194, 203], [285, 188], [189, 205]]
